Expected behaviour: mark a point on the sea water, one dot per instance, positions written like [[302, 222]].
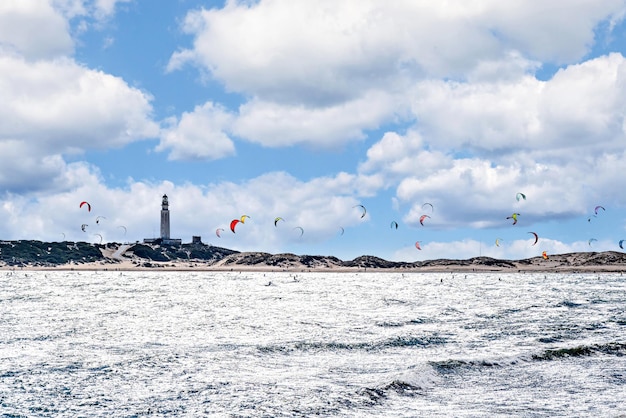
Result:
[[240, 344]]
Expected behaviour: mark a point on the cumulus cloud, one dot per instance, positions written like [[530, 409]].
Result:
[[475, 144], [58, 104], [499, 116], [586, 101], [582, 105], [329, 50], [207, 131], [396, 156], [51, 106], [34, 29], [97, 10], [515, 249], [105, 8], [200, 134], [24, 169], [319, 206], [40, 29], [325, 72], [273, 124], [294, 52], [476, 193], [55, 107]]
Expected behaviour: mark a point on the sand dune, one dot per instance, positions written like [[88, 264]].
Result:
[[188, 257]]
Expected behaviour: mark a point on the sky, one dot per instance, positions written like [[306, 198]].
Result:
[[311, 111]]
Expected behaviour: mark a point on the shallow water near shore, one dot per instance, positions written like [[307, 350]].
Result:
[[327, 344]]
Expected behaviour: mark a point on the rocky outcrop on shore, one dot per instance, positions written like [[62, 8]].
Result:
[[37, 254]]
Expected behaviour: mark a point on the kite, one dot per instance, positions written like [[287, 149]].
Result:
[[85, 203], [422, 219], [98, 219], [233, 224], [394, 224], [243, 218], [98, 235], [362, 207], [514, 217], [218, 231], [536, 237], [520, 196], [124, 228], [417, 245], [596, 209], [432, 208], [498, 241], [620, 244], [83, 227], [591, 240], [301, 230], [544, 255], [342, 230], [278, 219]]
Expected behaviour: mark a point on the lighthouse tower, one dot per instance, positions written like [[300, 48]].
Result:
[[165, 219], [165, 227]]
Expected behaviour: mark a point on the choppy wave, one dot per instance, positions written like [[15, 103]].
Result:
[[614, 349], [556, 354], [398, 387], [397, 324], [571, 304], [394, 342], [415, 382]]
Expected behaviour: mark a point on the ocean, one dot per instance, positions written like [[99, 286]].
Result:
[[241, 344]]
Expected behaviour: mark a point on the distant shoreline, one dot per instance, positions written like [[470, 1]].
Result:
[[81, 256], [450, 267]]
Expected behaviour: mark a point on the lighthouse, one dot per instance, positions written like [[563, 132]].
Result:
[[165, 226], [165, 219]]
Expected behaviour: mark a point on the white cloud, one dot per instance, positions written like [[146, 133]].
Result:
[[397, 156], [97, 9], [58, 104], [25, 169], [205, 132], [50, 108], [322, 73], [70, 8], [319, 206], [106, 8], [551, 31], [40, 29], [476, 193], [476, 144], [517, 249], [34, 29], [201, 134], [499, 116], [585, 104], [582, 105], [294, 52], [273, 124], [297, 50]]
